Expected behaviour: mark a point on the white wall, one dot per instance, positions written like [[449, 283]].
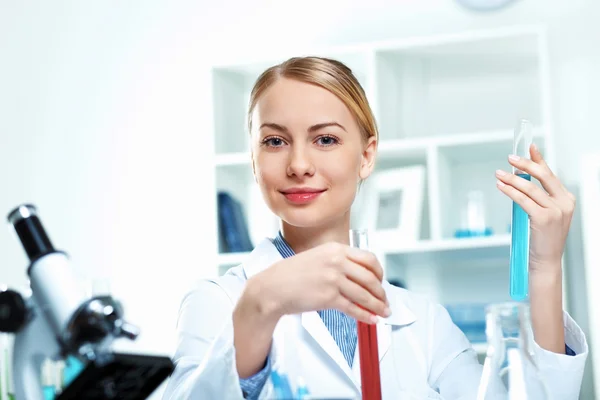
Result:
[[103, 120]]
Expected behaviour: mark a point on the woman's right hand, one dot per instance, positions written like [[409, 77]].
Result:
[[329, 276]]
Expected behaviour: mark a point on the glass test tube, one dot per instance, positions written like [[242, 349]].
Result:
[[367, 338], [519, 249]]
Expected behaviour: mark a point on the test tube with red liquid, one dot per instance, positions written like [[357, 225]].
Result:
[[367, 338]]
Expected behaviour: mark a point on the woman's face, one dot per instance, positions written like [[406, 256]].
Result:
[[307, 153]]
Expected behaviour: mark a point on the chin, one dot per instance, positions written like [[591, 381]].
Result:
[[302, 218], [308, 218]]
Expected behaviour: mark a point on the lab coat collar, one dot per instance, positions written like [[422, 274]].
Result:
[[262, 257], [401, 314]]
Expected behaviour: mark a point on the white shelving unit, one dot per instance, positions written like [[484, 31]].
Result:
[[448, 103]]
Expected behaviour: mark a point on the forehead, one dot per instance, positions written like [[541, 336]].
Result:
[[291, 101]]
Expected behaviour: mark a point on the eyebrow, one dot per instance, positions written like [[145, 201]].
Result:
[[313, 128]]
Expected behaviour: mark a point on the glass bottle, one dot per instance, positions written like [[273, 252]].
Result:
[[475, 213], [473, 221], [510, 370]]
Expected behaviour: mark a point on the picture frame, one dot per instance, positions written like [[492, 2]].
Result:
[[589, 202], [395, 203]]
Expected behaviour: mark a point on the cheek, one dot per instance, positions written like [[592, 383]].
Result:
[[343, 178], [343, 169], [267, 172]]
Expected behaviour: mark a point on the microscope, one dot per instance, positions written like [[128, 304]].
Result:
[[58, 321]]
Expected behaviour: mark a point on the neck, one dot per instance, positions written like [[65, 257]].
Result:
[[305, 238]]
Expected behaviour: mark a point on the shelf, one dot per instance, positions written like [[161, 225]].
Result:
[[463, 167], [457, 247], [429, 246], [433, 90], [446, 251]]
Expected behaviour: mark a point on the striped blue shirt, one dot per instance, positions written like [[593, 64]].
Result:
[[341, 327]]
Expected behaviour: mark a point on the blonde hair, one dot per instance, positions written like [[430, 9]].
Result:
[[331, 75]]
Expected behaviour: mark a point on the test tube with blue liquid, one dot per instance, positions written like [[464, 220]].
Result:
[[519, 249]]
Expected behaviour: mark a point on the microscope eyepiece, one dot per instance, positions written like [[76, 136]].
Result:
[[29, 228], [13, 311]]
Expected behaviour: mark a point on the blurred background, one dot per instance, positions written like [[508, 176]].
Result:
[[121, 121]]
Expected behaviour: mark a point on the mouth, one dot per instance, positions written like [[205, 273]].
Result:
[[302, 195]]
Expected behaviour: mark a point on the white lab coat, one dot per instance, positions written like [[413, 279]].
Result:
[[423, 355]]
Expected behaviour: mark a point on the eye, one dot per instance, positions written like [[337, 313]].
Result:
[[326, 141], [273, 141]]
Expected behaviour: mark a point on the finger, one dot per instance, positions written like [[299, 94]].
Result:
[[566, 199], [365, 278], [536, 156], [362, 297], [527, 187], [526, 203], [542, 173], [360, 314], [366, 259]]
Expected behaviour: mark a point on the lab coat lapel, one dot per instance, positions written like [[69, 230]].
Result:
[[384, 341], [401, 315], [314, 325]]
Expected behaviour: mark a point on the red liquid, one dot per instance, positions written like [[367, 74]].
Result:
[[369, 361]]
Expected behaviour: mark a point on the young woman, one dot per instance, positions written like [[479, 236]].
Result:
[[294, 303]]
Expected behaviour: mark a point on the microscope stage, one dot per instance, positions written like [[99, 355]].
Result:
[[119, 376]]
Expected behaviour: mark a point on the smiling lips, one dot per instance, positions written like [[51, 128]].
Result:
[[302, 195]]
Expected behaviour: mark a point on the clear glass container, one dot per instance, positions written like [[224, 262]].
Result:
[[475, 213], [510, 370], [473, 222]]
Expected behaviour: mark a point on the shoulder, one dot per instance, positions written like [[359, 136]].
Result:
[[417, 302], [441, 339], [229, 286], [226, 288], [209, 299]]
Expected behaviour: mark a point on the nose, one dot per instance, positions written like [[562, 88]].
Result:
[[300, 163]]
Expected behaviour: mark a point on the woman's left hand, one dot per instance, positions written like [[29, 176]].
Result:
[[550, 209]]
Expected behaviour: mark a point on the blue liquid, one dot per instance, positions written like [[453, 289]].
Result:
[[302, 392], [73, 367], [49, 392], [519, 251], [281, 385]]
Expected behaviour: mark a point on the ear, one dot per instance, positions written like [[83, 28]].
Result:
[[368, 156]]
